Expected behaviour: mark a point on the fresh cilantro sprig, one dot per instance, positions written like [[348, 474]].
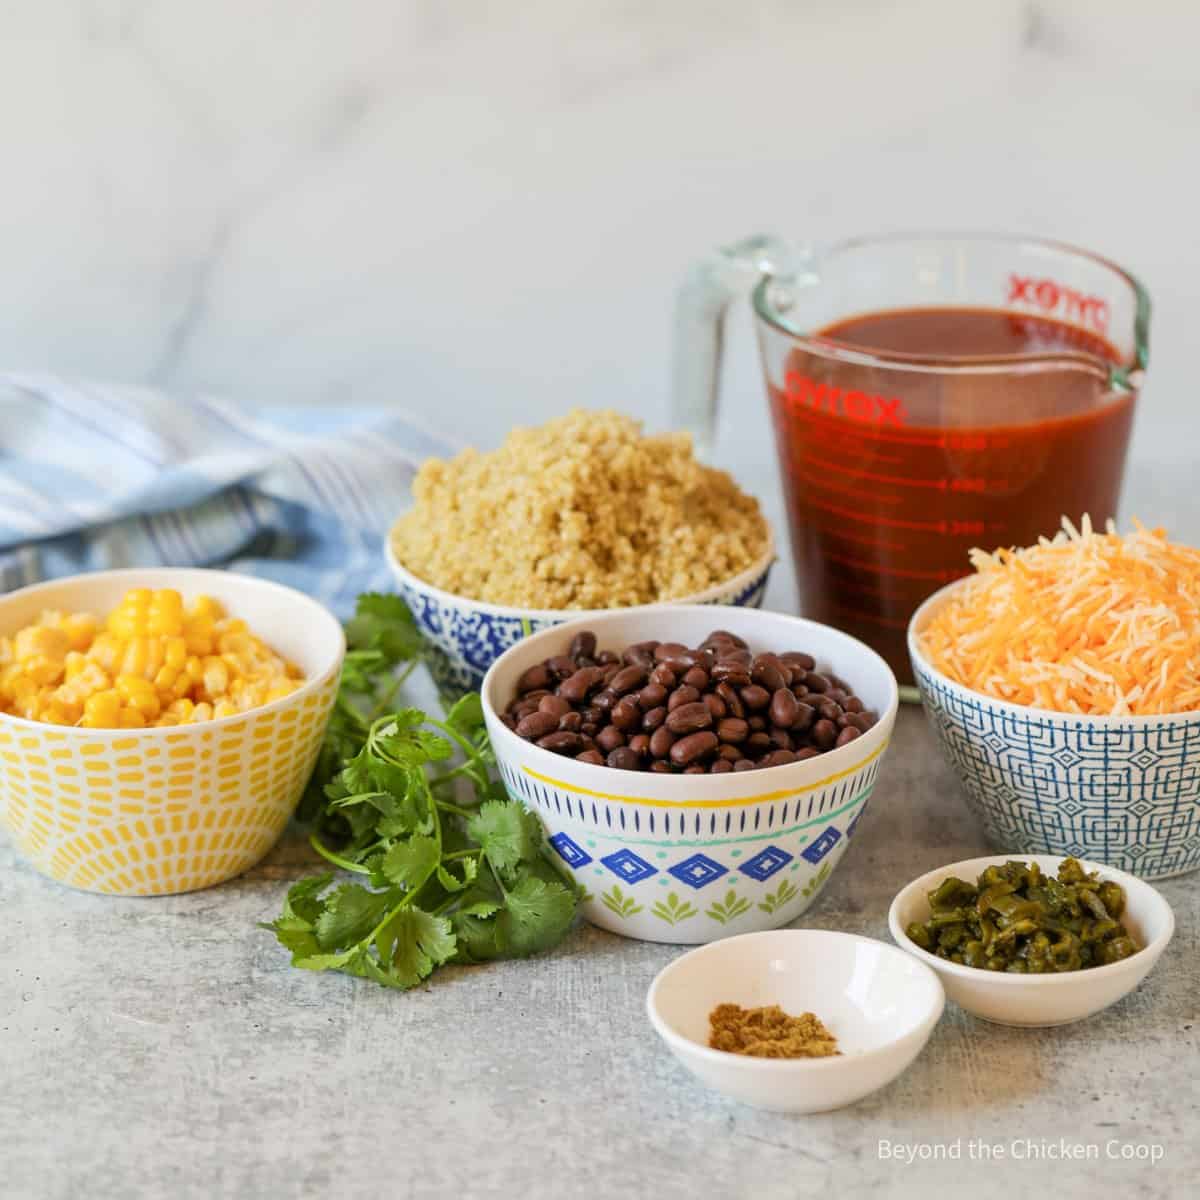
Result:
[[449, 869]]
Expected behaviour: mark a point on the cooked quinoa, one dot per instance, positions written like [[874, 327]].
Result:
[[583, 512]]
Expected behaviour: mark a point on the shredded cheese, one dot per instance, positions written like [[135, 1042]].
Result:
[[1102, 624]]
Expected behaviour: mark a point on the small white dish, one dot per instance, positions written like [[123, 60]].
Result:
[[1037, 1001], [879, 1003]]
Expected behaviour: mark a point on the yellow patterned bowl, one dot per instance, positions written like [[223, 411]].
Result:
[[150, 812]]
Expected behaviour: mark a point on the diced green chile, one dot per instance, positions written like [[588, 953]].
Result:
[[1015, 919]]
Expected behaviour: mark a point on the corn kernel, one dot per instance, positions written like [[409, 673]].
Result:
[[139, 693], [164, 681], [216, 677], [175, 653], [202, 712], [41, 642], [101, 710], [224, 708], [131, 718], [80, 629], [206, 606]]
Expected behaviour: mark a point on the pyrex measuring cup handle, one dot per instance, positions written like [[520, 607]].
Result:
[[700, 307]]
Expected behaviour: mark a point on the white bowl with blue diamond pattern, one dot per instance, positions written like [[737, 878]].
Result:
[[691, 858], [1123, 791], [466, 636]]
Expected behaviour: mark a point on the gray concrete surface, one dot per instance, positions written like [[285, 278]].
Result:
[[164, 1048]]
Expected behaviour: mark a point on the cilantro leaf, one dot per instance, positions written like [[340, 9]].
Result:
[[451, 882], [412, 943], [410, 863], [405, 741], [351, 913], [466, 715], [383, 623], [536, 915], [508, 832]]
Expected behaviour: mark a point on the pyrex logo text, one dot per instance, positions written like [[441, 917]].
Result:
[[858, 406], [1053, 297]]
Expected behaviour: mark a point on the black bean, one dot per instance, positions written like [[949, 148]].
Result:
[[716, 705], [743, 764], [725, 636], [536, 677], [720, 766], [733, 673], [652, 695], [767, 674], [780, 739], [696, 677], [848, 735], [561, 666], [605, 700], [661, 741], [778, 758], [733, 702], [640, 744], [794, 658], [609, 738], [562, 742], [783, 708], [628, 678], [577, 685], [663, 676], [853, 705], [572, 722], [583, 645], [654, 718], [805, 715], [555, 705], [756, 722], [682, 695], [757, 742], [624, 759], [755, 697], [626, 713], [732, 753], [732, 729], [687, 718], [662, 767], [666, 650], [815, 682], [606, 658], [696, 745], [806, 752], [824, 734], [591, 756], [536, 725]]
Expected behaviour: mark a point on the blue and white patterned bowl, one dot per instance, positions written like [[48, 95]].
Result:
[[467, 636], [690, 858], [1124, 791]]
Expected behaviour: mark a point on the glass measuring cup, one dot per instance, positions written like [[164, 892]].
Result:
[[895, 464]]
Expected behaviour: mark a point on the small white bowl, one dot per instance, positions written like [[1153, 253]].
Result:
[[1037, 1001], [880, 1004], [466, 636]]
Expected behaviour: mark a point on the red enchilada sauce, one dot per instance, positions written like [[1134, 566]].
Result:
[[884, 505]]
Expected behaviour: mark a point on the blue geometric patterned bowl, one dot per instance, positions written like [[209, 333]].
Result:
[[467, 636], [1124, 791], [691, 858]]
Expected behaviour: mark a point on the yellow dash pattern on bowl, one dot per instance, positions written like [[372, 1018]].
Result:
[[148, 812]]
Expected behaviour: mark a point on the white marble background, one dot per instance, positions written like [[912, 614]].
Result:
[[479, 211]]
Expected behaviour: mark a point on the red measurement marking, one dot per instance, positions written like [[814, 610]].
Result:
[[879, 519], [862, 540], [940, 485], [846, 490], [849, 445], [943, 575]]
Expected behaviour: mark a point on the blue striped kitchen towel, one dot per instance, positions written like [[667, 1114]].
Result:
[[96, 476]]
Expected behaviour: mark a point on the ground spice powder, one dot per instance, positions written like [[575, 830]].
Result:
[[769, 1032], [583, 512]]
